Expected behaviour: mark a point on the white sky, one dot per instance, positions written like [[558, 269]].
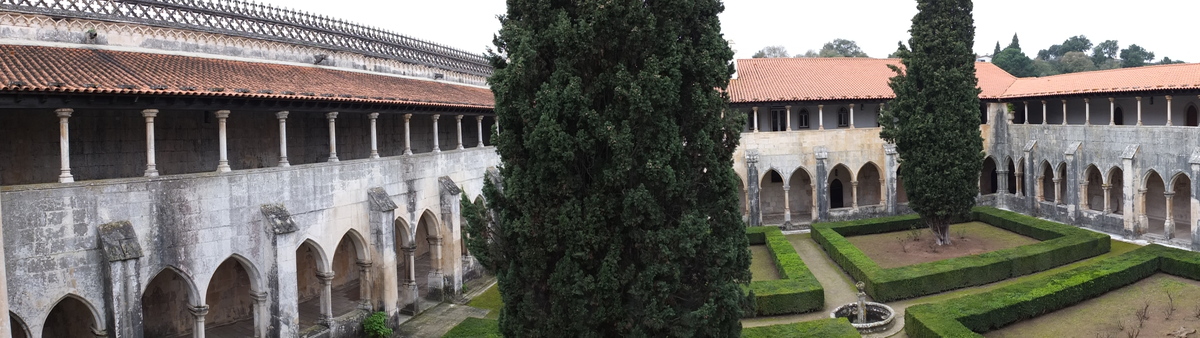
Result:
[[1165, 27]]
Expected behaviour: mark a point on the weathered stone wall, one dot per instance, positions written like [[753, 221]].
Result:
[[195, 222]]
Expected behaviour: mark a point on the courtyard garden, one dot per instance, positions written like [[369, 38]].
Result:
[[1004, 275]]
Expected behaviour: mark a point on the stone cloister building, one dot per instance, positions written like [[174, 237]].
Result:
[[1117, 151], [227, 169]]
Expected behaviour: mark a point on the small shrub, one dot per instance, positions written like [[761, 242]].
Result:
[[375, 325]]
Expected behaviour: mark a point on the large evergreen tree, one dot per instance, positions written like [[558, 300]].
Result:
[[934, 120], [617, 211]]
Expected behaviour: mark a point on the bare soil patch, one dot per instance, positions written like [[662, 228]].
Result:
[[902, 248], [762, 265], [1115, 314]]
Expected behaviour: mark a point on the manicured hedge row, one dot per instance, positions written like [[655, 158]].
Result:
[[797, 290], [1061, 244], [823, 328], [963, 317]]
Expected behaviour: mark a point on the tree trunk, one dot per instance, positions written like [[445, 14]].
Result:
[[941, 229]]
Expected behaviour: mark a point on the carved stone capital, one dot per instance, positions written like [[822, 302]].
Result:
[[282, 115], [64, 112], [221, 114]]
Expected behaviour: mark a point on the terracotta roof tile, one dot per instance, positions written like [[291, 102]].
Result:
[[54, 69], [1176, 76], [811, 79]]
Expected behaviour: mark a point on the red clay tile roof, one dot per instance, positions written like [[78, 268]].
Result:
[[1176, 76], [811, 79], [54, 69]]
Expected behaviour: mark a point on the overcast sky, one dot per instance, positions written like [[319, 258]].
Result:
[[1167, 28]]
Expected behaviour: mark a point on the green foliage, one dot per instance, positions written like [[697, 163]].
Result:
[[771, 52], [1061, 244], [617, 196], [1015, 44], [481, 238], [489, 300], [1074, 62], [997, 51], [472, 327], [934, 119], [797, 290], [1014, 62], [375, 325], [1168, 61], [841, 48], [964, 316], [1135, 56], [1105, 51], [822, 328]]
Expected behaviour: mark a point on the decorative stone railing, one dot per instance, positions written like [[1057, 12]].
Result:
[[258, 21]]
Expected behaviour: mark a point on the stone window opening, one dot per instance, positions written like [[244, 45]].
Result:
[[802, 118], [778, 119], [1119, 116], [843, 117], [1191, 118]]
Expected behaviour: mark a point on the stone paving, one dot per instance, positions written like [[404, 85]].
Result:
[[438, 320]]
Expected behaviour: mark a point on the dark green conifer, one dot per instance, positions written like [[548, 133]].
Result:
[[934, 120], [617, 212]]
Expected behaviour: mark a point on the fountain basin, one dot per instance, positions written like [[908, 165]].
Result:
[[879, 316]]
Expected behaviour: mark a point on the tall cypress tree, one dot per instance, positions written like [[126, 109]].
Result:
[[934, 120], [617, 211]]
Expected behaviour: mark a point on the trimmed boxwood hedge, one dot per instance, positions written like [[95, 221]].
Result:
[[823, 328], [964, 316], [797, 290], [1061, 244]]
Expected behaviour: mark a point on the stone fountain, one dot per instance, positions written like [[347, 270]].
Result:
[[867, 317]]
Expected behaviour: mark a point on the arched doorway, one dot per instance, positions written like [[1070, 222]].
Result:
[[1095, 189], [1116, 190], [166, 305], [427, 260], [1155, 203], [869, 184], [987, 177], [800, 195], [230, 305], [1046, 183], [347, 289], [70, 318], [310, 264], [17, 326], [770, 197], [1192, 121], [1012, 176], [405, 265], [839, 189], [1181, 206]]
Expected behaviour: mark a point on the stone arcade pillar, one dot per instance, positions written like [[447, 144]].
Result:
[[326, 317], [1002, 185], [892, 186], [1031, 202], [854, 194], [151, 168], [281, 277], [1026, 111], [437, 279], [1194, 200], [64, 147], [1064, 102], [118, 242], [1112, 111], [366, 294], [408, 291], [1107, 199], [450, 205], [788, 120], [822, 183], [1087, 111], [282, 116], [755, 109], [752, 188], [1168, 110], [436, 147], [787, 206], [1058, 197], [1131, 194], [383, 232], [262, 315], [1143, 222], [407, 134], [458, 122], [1169, 224], [222, 140], [820, 117], [199, 312], [479, 129], [1044, 110], [374, 135], [1084, 204], [1139, 109], [852, 117], [332, 116]]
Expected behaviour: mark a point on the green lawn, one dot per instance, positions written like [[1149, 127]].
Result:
[[762, 264], [489, 300], [475, 328]]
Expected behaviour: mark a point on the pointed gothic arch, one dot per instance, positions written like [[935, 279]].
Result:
[[166, 312], [72, 316]]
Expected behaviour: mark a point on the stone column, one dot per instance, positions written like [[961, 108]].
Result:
[[854, 194], [199, 312], [1064, 102], [64, 146], [436, 147], [851, 116], [1002, 186], [151, 168], [1087, 111], [374, 135], [752, 188], [1139, 109], [1169, 224], [479, 129], [1043, 112], [437, 280], [262, 317], [789, 117], [409, 291], [1026, 111], [326, 317], [222, 140], [1112, 111], [1041, 193], [365, 295], [1084, 204], [282, 116], [787, 206], [821, 182], [457, 120], [1143, 222], [755, 109], [820, 117], [1168, 110], [814, 212], [332, 117], [892, 186], [1020, 176], [1058, 196], [407, 135], [1107, 199]]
